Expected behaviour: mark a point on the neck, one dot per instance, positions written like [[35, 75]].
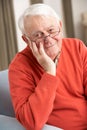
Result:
[[57, 58]]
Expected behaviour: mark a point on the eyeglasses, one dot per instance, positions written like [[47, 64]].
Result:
[[43, 38]]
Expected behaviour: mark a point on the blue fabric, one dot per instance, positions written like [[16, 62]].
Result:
[[6, 107], [10, 123], [7, 116], [50, 127]]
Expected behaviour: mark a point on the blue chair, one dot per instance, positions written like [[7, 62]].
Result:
[[7, 116]]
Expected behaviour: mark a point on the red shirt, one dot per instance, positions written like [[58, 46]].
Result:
[[40, 98]]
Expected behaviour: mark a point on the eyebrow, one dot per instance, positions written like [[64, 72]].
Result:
[[33, 33]]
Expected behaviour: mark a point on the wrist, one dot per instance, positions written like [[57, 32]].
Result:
[[52, 72]]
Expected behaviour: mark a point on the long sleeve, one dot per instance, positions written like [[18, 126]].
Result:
[[60, 100], [32, 103]]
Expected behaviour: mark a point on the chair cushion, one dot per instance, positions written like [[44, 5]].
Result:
[[6, 107], [50, 127], [10, 123]]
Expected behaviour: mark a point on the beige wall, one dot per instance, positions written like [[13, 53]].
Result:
[[57, 6], [19, 7], [78, 7]]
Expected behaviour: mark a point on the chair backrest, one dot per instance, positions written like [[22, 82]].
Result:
[[6, 107]]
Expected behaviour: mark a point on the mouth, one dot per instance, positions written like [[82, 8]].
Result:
[[46, 47]]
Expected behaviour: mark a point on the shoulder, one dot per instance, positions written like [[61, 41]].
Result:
[[72, 40], [22, 59], [73, 43], [75, 46]]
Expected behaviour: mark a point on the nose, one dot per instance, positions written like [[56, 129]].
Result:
[[47, 38]]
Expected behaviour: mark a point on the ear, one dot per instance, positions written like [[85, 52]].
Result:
[[25, 39]]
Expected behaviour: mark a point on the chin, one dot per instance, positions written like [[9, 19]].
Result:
[[53, 57], [52, 52]]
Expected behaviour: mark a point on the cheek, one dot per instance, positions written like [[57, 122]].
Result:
[[59, 41], [58, 37]]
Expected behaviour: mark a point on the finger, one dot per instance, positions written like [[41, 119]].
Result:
[[30, 45], [34, 49], [41, 48]]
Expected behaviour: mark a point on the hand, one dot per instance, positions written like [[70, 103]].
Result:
[[44, 60]]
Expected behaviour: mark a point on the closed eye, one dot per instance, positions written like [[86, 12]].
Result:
[[38, 35], [52, 30]]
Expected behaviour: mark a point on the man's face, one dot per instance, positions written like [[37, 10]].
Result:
[[46, 30]]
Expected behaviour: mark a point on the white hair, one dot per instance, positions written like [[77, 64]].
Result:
[[37, 9]]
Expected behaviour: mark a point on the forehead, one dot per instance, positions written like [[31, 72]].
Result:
[[35, 23]]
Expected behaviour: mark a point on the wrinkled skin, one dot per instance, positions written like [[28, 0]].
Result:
[[45, 51]]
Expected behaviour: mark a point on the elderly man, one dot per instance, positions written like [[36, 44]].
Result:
[[48, 79]]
